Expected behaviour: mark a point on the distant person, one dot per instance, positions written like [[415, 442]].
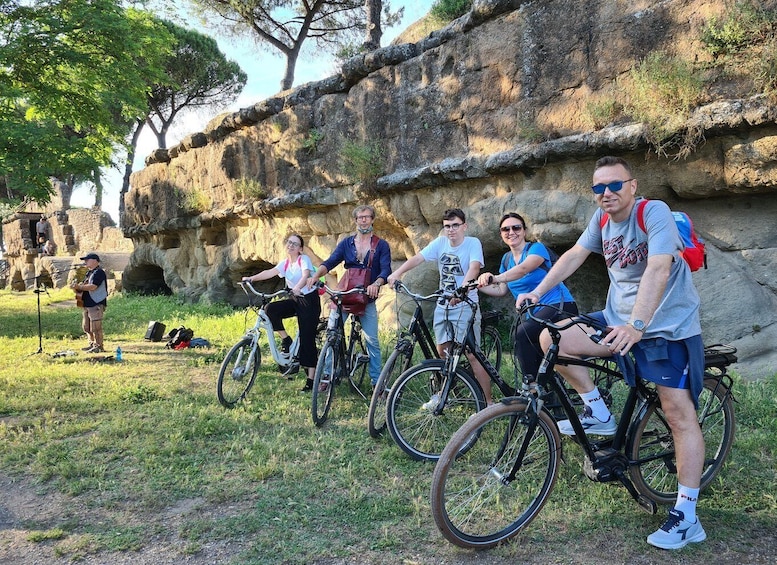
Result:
[[304, 303], [92, 294], [521, 269], [49, 248], [42, 228]]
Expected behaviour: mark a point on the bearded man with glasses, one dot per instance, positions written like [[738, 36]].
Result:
[[652, 311]]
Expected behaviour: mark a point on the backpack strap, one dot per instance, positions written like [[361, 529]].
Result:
[[373, 245], [640, 215]]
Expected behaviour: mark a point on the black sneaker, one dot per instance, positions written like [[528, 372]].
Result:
[[286, 344], [308, 386]]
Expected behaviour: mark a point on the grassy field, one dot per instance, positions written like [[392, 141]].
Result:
[[137, 459]]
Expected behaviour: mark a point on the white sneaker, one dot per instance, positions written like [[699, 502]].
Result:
[[432, 403], [591, 424], [677, 532]]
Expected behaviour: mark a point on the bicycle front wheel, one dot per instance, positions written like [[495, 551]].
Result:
[[651, 447], [491, 346], [360, 363], [376, 416], [238, 372], [487, 495], [328, 370], [411, 413]]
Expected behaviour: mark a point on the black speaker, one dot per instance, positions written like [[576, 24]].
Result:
[[155, 331]]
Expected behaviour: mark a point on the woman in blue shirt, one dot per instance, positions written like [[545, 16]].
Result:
[[520, 271]]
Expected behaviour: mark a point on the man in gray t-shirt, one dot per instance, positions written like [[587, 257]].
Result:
[[652, 311]]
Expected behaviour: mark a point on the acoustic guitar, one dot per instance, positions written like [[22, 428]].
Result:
[[79, 293]]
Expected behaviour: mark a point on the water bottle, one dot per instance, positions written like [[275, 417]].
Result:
[[118, 354]]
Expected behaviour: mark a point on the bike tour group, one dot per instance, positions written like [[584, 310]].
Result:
[[440, 392]]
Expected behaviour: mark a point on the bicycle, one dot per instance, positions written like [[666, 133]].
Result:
[[339, 358], [240, 365], [431, 400], [499, 469]]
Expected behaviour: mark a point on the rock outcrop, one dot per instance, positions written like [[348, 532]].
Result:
[[490, 115]]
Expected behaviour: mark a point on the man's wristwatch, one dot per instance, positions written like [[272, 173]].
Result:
[[638, 325]]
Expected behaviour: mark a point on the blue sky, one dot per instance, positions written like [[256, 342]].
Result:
[[264, 70]]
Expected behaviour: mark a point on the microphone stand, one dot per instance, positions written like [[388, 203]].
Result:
[[38, 291]]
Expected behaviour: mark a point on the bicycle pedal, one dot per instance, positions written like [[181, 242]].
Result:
[[292, 370], [362, 358]]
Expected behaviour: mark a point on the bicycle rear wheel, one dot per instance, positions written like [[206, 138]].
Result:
[[477, 500], [410, 411], [325, 378], [491, 346], [237, 373], [395, 366], [651, 446]]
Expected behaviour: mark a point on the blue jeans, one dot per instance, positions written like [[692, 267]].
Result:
[[369, 322]]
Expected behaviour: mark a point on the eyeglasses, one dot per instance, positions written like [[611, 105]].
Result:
[[364, 217], [453, 227], [614, 186], [291, 243], [507, 229]]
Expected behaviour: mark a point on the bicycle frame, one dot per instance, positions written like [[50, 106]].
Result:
[[263, 323], [336, 334], [417, 331], [469, 344]]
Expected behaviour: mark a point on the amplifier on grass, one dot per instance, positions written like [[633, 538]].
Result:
[[155, 331]]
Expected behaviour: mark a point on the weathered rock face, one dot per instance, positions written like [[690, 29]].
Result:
[[450, 117]]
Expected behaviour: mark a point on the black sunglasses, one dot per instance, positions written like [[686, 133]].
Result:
[[506, 229], [614, 186]]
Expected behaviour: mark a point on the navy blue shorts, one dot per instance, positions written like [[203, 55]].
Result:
[[659, 360]]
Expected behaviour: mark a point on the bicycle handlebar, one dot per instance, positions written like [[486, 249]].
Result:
[[528, 309], [399, 286], [336, 293], [262, 295]]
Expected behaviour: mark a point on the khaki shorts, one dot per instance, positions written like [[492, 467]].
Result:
[[92, 314]]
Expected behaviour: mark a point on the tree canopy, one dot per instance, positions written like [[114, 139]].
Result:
[[285, 25], [196, 74], [70, 85]]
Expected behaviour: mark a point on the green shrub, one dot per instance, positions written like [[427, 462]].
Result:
[[249, 189], [361, 162], [602, 112], [766, 70], [311, 141], [449, 10], [662, 92], [744, 24], [193, 200]]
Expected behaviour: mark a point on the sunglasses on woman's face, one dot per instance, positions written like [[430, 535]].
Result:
[[508, 229], [614, 186]]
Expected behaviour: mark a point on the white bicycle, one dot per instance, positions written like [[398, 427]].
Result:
[[239, 368]]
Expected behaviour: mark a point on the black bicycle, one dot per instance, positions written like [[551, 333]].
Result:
[[341, 357], [417, 332], [500, 467], [431, 400]]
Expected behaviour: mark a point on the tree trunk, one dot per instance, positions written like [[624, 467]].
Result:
[[65, 190], [98, 189], [128, 167], [373, 8], [291, 63]]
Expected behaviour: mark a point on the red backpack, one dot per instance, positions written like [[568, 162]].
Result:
[[695, 252]]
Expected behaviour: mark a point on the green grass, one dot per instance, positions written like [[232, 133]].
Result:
[[124, 447]]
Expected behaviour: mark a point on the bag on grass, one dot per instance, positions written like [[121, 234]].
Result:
[[177, 336]]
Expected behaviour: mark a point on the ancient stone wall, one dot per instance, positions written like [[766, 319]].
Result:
[[488, 114]]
